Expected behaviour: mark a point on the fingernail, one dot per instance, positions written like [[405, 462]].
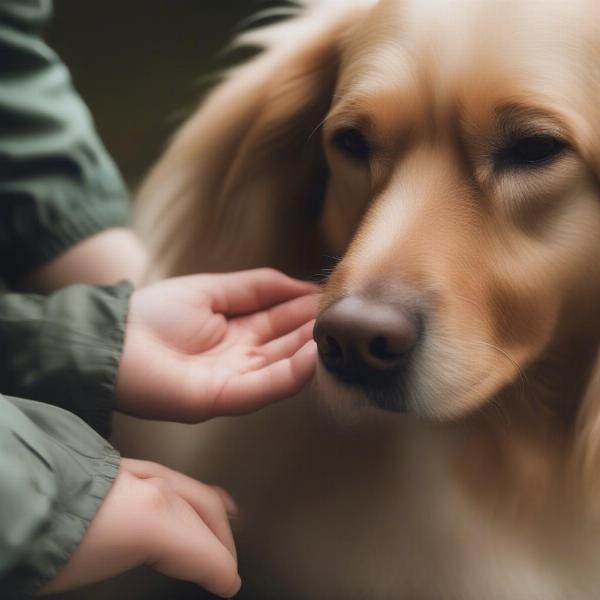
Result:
[[230, 504], [232, 508]]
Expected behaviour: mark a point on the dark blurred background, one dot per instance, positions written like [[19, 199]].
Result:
[[138, 65]]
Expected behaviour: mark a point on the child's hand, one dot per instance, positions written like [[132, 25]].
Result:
[[154, 516], [210, 345]]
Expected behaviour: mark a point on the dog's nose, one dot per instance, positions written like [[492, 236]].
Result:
[[362, 341]]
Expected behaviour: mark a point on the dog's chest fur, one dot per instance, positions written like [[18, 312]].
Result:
[[354, 512]]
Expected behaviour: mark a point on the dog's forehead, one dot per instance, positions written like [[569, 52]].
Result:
[[449, 46]]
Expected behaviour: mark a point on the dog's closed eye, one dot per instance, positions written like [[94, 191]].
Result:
[[352, 143], [529, 151]]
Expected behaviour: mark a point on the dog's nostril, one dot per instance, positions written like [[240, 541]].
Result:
[[333, 349], [361, 341], [380, 348]]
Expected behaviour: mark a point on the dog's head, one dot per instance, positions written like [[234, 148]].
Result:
[[462, 146], [449, 153]]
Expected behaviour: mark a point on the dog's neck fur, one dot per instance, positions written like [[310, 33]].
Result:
[[516, 459]]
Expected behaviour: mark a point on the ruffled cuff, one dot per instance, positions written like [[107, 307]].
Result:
[[56, 471], [65, 348]]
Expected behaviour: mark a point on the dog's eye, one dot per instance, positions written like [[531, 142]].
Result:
[[352, 143], [531, 151]]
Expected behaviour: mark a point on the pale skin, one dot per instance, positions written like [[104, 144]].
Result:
[[195, 347]]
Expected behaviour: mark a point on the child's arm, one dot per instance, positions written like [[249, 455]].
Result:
[[107, 257], [195, 347], [62, 198], [58, 475], [160, 518]]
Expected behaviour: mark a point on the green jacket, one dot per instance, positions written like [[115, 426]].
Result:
[[57, 186]]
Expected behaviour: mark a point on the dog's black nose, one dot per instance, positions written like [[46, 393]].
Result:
[[365, 342]]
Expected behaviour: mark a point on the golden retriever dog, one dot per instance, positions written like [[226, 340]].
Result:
[[440, 161]]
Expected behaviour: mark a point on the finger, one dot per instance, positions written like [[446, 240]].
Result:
[[248, 291], [212, 510], [281, 319], [250, 391], [288, 345], [190, 551], [210, 504], [230, 504]]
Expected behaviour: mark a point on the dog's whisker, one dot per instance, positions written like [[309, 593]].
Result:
[[502, 413], [315, 130], [524, 382]]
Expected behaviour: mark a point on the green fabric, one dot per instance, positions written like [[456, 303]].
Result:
[[54, 473], [65, 348], [57, 183], [57, 186]]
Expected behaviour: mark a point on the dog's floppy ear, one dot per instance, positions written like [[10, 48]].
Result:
[[240, 185]]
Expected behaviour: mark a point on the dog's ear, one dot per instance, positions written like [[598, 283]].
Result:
[[241, 183]]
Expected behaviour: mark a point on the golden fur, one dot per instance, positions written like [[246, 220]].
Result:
[[489, 488]]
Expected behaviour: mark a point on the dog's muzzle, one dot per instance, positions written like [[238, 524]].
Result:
[[368, 344]]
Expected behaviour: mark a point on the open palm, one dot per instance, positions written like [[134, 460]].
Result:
[[208, 345]]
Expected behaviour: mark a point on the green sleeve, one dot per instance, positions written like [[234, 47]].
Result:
[[54, 473], [65, 348], [57, 183]]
